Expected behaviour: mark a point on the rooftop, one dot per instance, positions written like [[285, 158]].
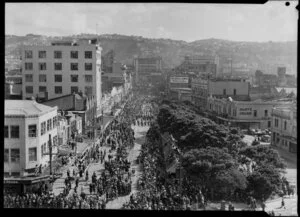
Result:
[[25, 107]]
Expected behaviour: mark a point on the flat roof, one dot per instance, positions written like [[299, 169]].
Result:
[[26, 107]]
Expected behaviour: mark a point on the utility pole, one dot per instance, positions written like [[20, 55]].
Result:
[[50, 153]]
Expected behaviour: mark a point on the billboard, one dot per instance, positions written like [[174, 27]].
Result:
[[178, 80]]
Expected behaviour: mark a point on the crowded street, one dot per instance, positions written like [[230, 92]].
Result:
[[106, 174]]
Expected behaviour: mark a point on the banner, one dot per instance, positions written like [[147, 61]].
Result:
[[177, 80]]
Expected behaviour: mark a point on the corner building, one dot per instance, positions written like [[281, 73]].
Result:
[[27, 126]]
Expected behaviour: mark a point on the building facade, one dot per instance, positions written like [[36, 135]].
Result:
[[244, 114], [199, 65], [28, 126], [237, 89], [145, 67], [61, 69], [284, 128], [78, 104]]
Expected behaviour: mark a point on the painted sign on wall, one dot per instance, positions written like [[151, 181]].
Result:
[[177, 80]]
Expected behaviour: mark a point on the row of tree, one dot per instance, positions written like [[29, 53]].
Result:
[[215, 156]]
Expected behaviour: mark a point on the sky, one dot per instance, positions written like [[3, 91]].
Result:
[[273, 21]]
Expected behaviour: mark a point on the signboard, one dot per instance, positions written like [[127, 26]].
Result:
[[245, 111], [177, 80]]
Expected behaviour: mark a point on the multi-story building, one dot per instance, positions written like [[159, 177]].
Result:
[[199, 65], [179, 87], [113, 79], [107, 61], [243, 114], [61, 69], [284, 128], [145, 67], [237, 89], [263, 80], [27, 130]]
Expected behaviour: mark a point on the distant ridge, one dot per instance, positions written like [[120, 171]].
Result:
[[256, 55]]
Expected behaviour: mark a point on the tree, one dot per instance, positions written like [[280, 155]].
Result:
[[264, 155], [214, 169], [263, 182]]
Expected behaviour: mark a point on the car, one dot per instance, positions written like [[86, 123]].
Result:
[[265, 138]]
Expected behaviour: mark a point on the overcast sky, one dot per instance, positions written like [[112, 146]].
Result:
[[272, 21]]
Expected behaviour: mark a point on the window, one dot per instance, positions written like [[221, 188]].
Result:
[[54, 141], [224, 91], [54, 122], [28, 66], [42, 78], [42, 54], [74, 66], [50, 121], [58, 78], [88, 78], [29, 78], [58, 89], [74, 78], [14, 132], [44, 148], [42, 89], [57, 66], [88, 66], [284, 125], [88, 54], [42, 66], [49, 124], [234, 92], [269, 124], [6, 155], [28, 54], [29, 89], [274, 135], [32, 154], [74, 54], [6, 132], [43, 128], [57, 54], [266, 113], [15, 155], [255, 113], [32, 130], [276, 122], [74, 89], [88, 91]]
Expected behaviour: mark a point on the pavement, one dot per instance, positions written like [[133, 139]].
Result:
[[139, 133]]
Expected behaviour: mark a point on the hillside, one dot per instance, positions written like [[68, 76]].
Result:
[[252, 55]]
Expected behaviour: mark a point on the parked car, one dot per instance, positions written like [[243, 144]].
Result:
[[265, 138]]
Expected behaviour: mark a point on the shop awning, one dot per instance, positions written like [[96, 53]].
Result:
[[26, 180]]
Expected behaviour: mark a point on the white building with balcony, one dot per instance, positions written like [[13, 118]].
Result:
[[27, 129], [284, 128]]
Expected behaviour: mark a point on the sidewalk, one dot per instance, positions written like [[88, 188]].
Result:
[[132, 156]]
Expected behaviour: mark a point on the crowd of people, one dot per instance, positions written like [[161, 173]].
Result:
[[156, 192], [114, 180]]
